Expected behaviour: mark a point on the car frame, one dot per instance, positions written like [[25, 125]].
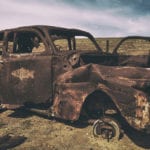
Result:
[[74, 84]]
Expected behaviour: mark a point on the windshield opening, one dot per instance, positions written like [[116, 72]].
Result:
[[66, 41]]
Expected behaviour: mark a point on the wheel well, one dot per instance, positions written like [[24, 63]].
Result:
[[96, 104]]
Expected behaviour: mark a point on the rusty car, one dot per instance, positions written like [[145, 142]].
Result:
[[54, 66]]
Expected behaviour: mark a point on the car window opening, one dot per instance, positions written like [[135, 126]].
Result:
[[66, 41], [25, 42]]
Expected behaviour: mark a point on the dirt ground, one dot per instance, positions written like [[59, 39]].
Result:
[[48, 134]]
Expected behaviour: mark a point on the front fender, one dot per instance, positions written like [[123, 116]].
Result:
[[69, 98], [73, 87], [133, 104]]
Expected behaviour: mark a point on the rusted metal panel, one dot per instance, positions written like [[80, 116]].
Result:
[[26, 80], [122, 84], [69, 98]]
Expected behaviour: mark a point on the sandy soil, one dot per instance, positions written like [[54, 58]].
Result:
[[48, 134]]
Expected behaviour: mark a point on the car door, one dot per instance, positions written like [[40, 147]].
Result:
[[26, 76]]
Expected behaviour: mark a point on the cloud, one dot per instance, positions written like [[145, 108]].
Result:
[[101, 19]]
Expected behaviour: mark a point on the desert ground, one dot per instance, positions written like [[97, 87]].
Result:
[[43, 133]]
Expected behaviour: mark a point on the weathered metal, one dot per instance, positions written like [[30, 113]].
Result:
[[120, 84], [107, 128], [75, 82]]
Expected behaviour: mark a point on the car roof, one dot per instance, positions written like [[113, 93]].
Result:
[[51, 29]]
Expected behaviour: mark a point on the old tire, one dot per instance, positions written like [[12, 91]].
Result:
[[107, 128]]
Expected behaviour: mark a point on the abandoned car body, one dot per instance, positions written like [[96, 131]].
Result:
[[72, 78]]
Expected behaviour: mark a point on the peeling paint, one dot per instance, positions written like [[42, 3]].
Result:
[[23, 73], [142, 111]]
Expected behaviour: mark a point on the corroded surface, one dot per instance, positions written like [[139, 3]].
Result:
[[76, 80], [125, 86]]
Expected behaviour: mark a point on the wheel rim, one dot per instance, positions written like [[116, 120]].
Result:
[[106, 128]]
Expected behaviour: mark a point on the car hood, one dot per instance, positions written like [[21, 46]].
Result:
[[136, 77]]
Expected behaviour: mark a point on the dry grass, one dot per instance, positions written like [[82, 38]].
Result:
[[46, 134], [129, 47]]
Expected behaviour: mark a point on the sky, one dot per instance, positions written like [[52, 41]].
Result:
[[102, 18]]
